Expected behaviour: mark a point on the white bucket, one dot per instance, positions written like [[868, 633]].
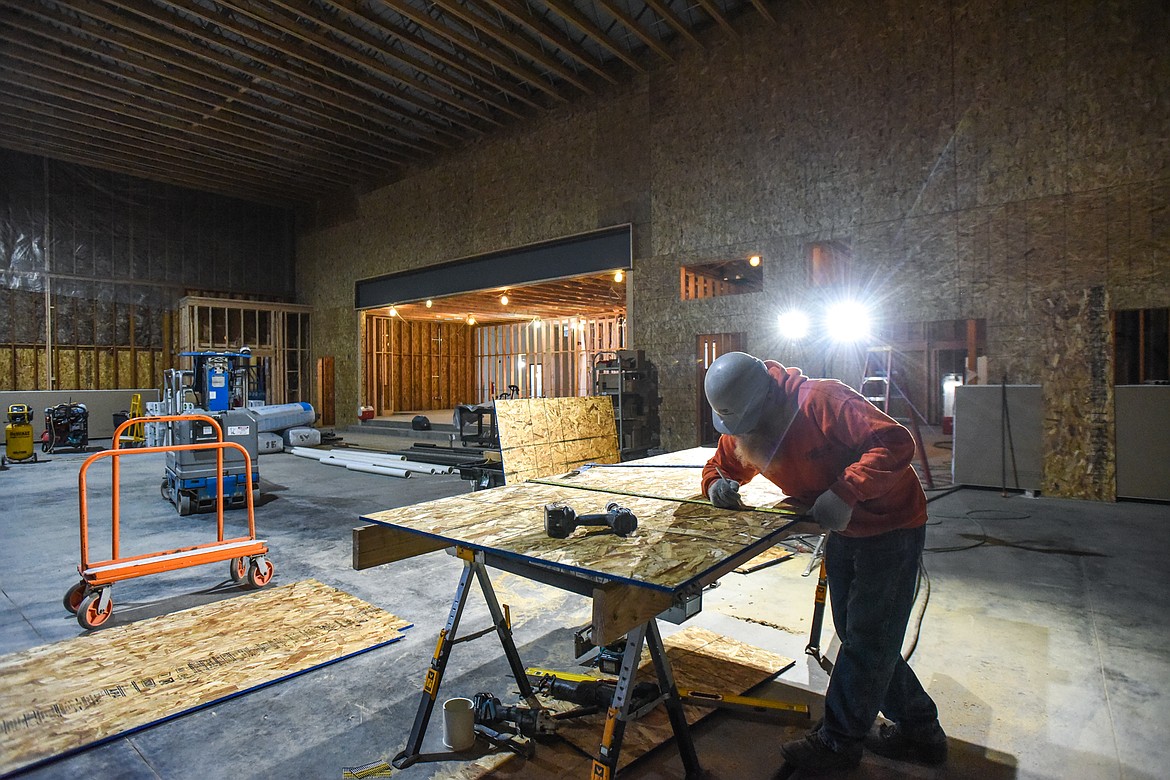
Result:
[[458, 724]]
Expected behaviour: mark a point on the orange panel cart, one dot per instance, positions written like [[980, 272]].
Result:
[[90, 598]]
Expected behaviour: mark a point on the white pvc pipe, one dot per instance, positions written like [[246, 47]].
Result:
[[430, 468], [369, 468], [365, 455], [345, 458], [391, 461], [343, 462], [402, 465]]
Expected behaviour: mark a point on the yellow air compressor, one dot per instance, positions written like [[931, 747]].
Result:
[[18, 436]]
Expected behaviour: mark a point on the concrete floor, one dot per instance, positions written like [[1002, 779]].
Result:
[[1044, 639]]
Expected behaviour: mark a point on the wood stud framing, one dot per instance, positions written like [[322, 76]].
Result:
[[417, 365], [284, 101], [278, 332]]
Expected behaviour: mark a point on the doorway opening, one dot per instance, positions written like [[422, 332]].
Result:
[[537, 340], [708, 347]]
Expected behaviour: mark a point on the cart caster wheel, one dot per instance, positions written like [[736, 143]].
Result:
[[89, 613], [238, 569], [260, 572], [184, 505], [73, 597]]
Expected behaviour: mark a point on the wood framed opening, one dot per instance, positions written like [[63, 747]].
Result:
[[709, 346], [473, 348], [924, 354]]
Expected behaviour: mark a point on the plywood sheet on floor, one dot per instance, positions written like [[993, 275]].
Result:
[[542, 436], [62, 697], [700, 659]]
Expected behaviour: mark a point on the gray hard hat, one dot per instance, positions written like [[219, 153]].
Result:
[[737, 386]]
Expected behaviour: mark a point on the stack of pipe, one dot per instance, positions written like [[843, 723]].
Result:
[[371, 462]]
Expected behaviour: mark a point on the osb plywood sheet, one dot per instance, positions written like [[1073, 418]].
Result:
[[64, 696], [695, 456], [542, 436], [700, 660], [674, 543], [1077, 387], [661, 481]]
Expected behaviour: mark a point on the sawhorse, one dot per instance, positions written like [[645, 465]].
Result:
[[605, 765], [813, 647]]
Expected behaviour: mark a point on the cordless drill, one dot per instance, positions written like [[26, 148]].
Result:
[[560, 520]]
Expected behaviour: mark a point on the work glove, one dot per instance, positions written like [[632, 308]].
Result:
[[724, 493], [831, 512]]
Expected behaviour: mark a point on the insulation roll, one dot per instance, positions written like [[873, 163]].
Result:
[[268, 443], [302, 437], [280, 416], [370, 468]]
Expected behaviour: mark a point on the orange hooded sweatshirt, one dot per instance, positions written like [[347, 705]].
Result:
[[841, 442]]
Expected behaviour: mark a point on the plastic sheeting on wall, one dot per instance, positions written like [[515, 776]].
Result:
[[93, 259]]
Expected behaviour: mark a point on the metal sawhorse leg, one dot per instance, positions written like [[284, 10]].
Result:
[[605, 766], [472, 565]]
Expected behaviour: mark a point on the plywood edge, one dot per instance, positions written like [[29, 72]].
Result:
[[619, 608], [374, 545]]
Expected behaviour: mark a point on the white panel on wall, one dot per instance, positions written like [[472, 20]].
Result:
[[998, 443], [1143, 441]]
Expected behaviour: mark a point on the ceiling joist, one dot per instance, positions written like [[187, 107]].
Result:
[[293, 101]]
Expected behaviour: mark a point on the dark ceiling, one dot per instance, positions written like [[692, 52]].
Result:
[[285, 101]]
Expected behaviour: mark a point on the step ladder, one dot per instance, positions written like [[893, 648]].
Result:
[[878, 387], [876, 376], [135, 435]]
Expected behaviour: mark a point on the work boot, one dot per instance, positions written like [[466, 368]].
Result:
[[926, 745], [812, 754]]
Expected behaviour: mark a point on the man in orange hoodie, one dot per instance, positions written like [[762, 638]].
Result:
[[828, 447]]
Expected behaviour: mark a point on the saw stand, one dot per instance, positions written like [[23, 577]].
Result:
[[605, 765]]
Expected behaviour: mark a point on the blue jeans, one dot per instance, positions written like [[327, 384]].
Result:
[[871, 587]]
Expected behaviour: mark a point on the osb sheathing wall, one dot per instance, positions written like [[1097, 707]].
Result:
[[1078, 415], [978, 158]]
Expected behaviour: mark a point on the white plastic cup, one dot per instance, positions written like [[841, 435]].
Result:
[[458, 724]]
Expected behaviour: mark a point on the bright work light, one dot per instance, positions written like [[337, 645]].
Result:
[[794, 325], [847, 321]]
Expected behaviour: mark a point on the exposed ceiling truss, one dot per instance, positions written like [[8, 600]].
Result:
[[285, 101]]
